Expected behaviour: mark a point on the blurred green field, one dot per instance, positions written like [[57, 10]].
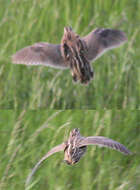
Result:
[[117, 73], [25, 136]]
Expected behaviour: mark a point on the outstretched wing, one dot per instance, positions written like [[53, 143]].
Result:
[[58, 148], [100, 40], [40, 54], [106, 142]]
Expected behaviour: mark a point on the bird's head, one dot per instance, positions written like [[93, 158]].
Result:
[[75, 132]]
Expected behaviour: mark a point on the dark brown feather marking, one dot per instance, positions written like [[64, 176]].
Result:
[[74, 51]]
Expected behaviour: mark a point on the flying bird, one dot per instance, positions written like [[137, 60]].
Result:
[[74, 53], [75, 147]]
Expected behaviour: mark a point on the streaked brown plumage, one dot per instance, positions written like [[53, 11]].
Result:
[[75, 147], [74, 52]]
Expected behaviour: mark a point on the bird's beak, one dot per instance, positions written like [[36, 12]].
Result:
[[66, 29]]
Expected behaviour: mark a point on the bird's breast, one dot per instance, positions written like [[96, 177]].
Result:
[[73, 155]]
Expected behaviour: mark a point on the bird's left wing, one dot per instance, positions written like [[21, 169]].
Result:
[[58, 148], [103, 141], [102, 39]]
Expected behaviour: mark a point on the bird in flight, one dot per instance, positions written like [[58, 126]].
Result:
[[75, 147], [74, 52]]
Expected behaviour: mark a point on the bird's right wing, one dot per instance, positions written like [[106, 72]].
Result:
[[58, 148], [103, 141], [40, 54]]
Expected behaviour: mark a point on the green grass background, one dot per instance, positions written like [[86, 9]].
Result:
[[117, 73], [25, 136]]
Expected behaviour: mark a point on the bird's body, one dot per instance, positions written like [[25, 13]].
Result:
[[72, 152], [73, 155], [75, 147], [73, 53]]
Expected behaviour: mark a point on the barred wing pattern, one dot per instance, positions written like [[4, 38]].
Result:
[[101, 40], [40, 54], [58, 148], [106, 142]]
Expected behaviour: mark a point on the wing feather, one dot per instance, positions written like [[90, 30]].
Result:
[[106, 142], [102, 39], [58, 148], [40, 54]]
